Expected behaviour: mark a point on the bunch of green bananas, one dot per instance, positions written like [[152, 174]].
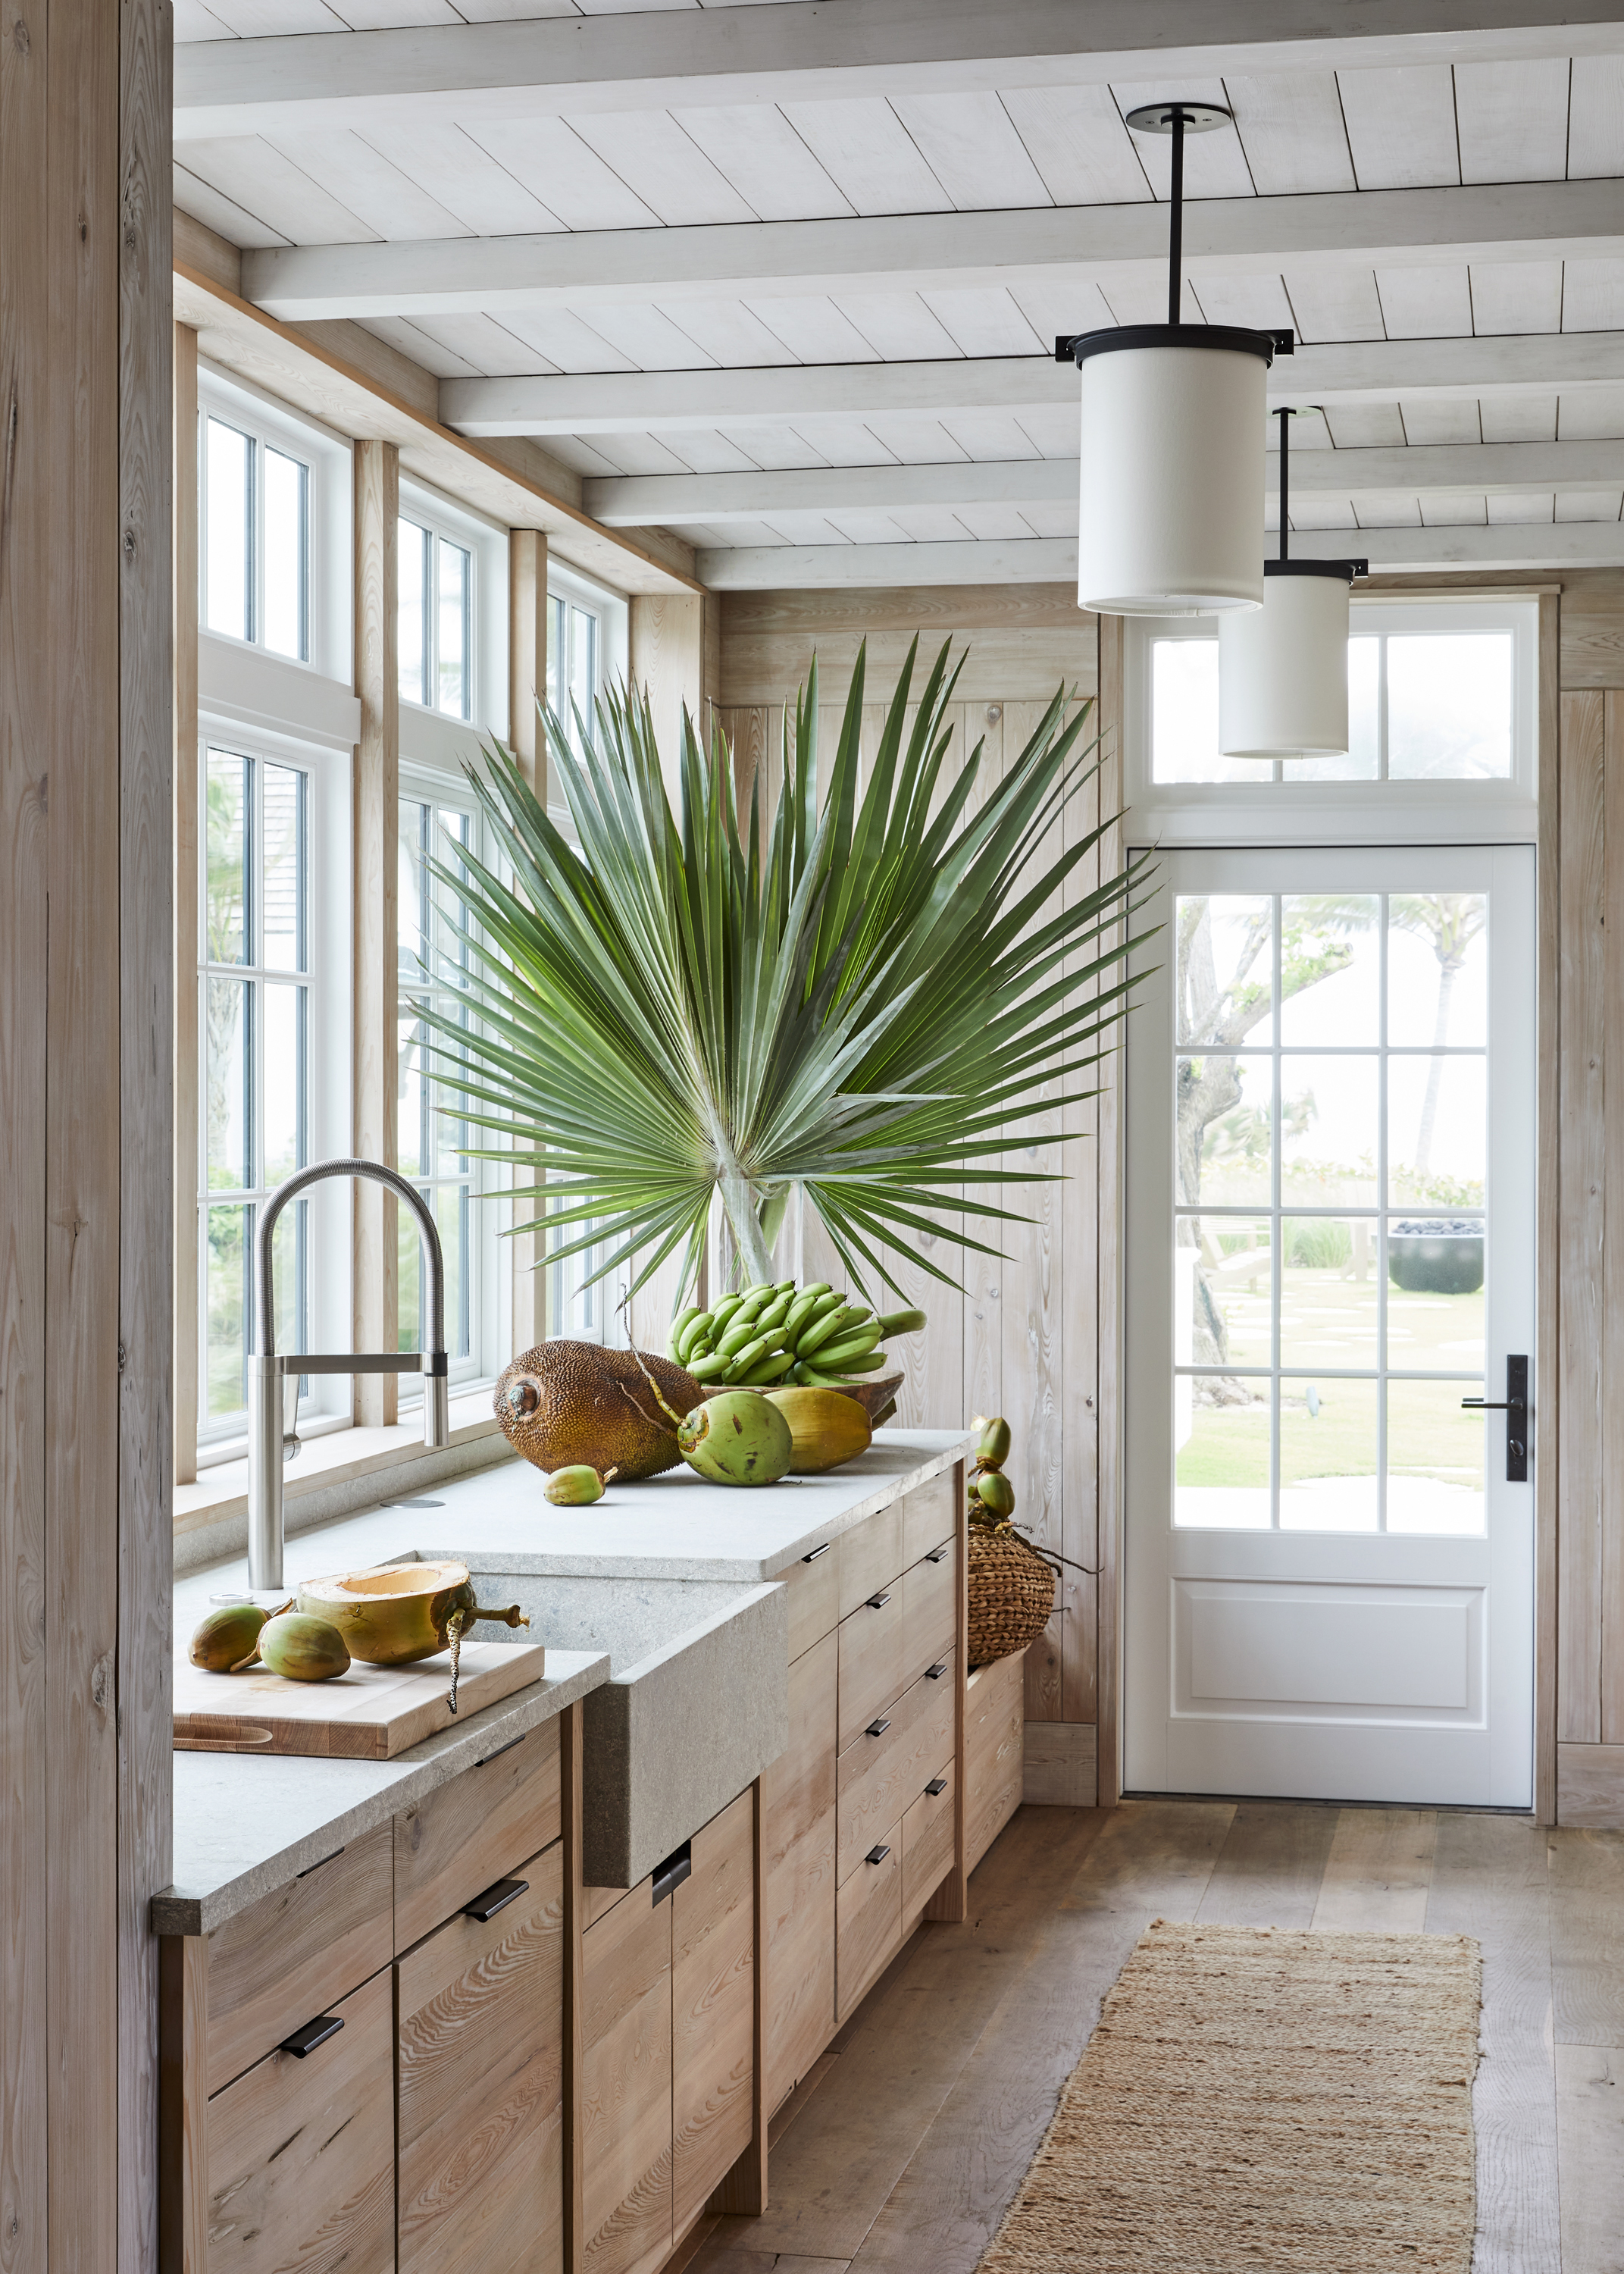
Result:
[[777, 1333]]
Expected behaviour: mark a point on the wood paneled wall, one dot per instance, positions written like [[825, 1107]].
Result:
[[85, 1035], [1021, 1334]]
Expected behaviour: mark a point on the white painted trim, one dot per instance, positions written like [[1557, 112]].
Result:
[[1029, 245], [809, 52], [666, 401], [273, 694]]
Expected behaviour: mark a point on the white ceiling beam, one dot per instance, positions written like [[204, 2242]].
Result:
[[1037, 245], [669, 401], [1053, 560], [1433, 470], [807, 51]]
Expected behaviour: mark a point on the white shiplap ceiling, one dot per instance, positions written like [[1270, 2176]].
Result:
[[811, 306]]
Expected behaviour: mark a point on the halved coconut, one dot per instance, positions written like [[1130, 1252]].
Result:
[[395, 1613]]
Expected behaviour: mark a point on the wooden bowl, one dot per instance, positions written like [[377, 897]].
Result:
[[873, 1397]]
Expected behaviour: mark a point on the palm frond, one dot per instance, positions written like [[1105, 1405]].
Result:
[[871, 993]]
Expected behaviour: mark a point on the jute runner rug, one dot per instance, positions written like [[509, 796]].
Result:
[[1269, 2101]]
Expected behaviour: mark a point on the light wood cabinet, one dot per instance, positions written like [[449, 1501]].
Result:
[[868, 1925], [713, 2008], [300, 2155], [798, 1923], [871, 1660], [479, 2083], [625, 2121], [926, 1842], [880, 1774], [994, 1749], [473, 1832]]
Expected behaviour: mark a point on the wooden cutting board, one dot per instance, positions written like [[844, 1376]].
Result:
[[369, 1714]]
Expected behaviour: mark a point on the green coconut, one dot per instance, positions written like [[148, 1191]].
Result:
[[302, 1649], [738, 1437], [228, 1638]]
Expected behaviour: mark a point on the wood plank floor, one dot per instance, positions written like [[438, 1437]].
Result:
[[902, 2149]]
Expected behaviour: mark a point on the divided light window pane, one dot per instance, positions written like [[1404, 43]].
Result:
[[287, 509], [453, 583], [412, 620], [429, 1138], [227, 537]]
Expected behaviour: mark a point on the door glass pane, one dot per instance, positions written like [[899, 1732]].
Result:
[[1226, 980], [227, 1057], [228, 533], [1435, 1458], [283, 1009], [282, 896], [225, 914], [1221, 1453], [411, 621], [1330, 1292], [1328, 1121], [1327, 1456], [1438, 970], [1330, 970], [1448, 705], [1223, 1291], [286, 505], [1435, 1277], [1437, 1131], [452, 644], [1225, 1108]]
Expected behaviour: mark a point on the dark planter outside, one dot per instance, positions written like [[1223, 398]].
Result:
[[1436, 1255]]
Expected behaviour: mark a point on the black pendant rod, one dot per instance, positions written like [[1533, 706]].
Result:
[[1176, 224], [1285, 476]]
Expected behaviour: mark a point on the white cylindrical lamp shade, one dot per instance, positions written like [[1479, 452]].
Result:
[[1171, 504], [1282, 668]]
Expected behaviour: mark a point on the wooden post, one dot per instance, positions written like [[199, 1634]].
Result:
[[571, 1764], [375, 1044], [743, 2189], [527, 685], [1109, 1123], [186, 889], [1548, 1338]]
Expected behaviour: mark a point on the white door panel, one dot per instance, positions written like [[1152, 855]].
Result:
[[1329, 1580]]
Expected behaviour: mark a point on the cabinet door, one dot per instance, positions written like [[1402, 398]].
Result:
[[480, 2087], [798, 1929], [626, 2088], [873, 1670], [870, 1921], [301, 2153], [713, 2002]]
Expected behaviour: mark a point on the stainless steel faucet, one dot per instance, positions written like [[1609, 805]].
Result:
[[269, 1371]]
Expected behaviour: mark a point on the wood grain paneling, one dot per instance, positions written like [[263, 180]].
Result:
[[624, 2129], [872, 1668], [869, 1921], [798, 1917], [374, 839], [880, 1776], [994, 1753], [814, 1589], [713, 2008], [1590, 1787], [474, 1830]]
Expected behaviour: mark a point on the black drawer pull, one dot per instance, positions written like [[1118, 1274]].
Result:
[[939, 1555], [937, 1785], [879, 1728], [495, 1899], [876, 1855], [317, 1866], [311, 2034], [878, 1603], [817, 1552], [669, 1876], [500, 1750], [935, 1673]]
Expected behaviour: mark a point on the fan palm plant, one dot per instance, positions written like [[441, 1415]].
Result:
[[872, 999]]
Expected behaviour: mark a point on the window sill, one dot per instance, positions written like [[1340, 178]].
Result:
[[344, 1458]]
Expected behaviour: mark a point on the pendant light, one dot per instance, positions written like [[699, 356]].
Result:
[[1172, 439], [1282, 668]]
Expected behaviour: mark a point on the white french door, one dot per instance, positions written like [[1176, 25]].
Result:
[[1330, 1245]]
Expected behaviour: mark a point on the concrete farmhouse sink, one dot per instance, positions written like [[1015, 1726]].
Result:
[[695, 1708]]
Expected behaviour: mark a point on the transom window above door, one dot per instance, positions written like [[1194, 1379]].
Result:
[[1329, 1167]]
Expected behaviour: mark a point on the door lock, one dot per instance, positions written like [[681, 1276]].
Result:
[[1515, 1407]]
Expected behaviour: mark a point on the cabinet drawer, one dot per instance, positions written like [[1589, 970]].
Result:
[[930, 1514], [926, 1842], [479, 2079], [994, 1753], [297, 1951], [713, 2008], [624, 2124], [873, 1669], [465, 1836], [813, 1586], [930, 1608], [869, 1924], [879, 1776], [301, 2153], [870, 1557]]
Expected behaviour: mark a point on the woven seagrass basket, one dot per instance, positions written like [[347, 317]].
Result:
[[1011, 1593]]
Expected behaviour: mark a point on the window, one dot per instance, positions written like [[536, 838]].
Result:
[[435, 628], [431, 959], [255, 1059], [586, 649], [255, 526]]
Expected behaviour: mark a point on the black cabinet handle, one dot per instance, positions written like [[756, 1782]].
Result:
[[879, 1728], [935, 1673], [876, 1855], [669, 1876], [817, 1552], [309, 2035], [495, 1899], [937, 1785], [500, 1750], [878, 1603], [938, 1554]]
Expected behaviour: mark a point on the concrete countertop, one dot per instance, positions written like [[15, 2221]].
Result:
[[245, 1824]]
